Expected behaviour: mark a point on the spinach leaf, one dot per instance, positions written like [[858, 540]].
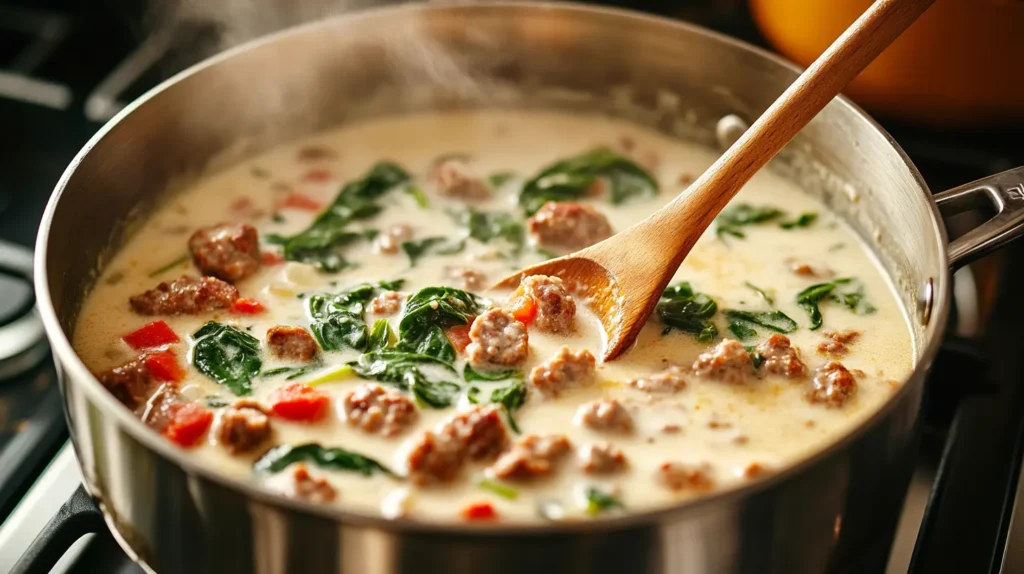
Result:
[[381, 335], [337, 320], [760, 292], [392, 366], [228, 356], [805, 220], [847, 291], [486, 227], [510, 398], [472, 393], [278, 458], [357, 200], [470, 375], [500, 178], [809, 298], [292, 372], [742, 330], [682, 308], [772, 320], [570, 178], [417, 249], [756, 359], [734, 217], [438, 394], [598, 502], [427, 313]]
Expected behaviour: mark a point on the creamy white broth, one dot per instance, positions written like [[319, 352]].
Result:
[[767, 421]]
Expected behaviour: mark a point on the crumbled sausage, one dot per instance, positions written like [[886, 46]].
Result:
[[566, 369], [833, 385], [389, 241], [556, 309], [677, 476], [780, 358], [160, 408], [228, 252], [477, 434], [454, 178], [668, 381], [243, 426], [185, 296], [568, 225], [727, 361], [600, 458], [467, 279], [292, 343], [309, 487], [497, 339], [605, 415], [531, 455], [131, 383], [387, 303], [754, 470], [806, 270], [836, 343], [374, 409]]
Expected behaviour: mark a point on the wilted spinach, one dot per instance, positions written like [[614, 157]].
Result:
[[471, 375], [760, 292], [598, 501], [428, 313], [682, 308], [510, 398], [291, 372], [337, 320], [734, 217], [804, 220], [569, 179], [846, 291], [439, 245], [740, 322], [279, 458], [487, 227], [228, 356], [381, 335], [318, 243], [402, 369]]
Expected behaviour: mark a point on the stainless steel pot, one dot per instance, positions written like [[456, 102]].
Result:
[[173, 515]]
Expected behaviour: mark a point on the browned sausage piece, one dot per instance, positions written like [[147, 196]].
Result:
[[836, 343], [454, 178], [727, 361], [605, 415], [243, 426], [185, 296], [467, 279], [668, 381], [531, 456], [833, 385], [679, 477], [292, 343], [478, 433], [480, 429], [435, 458], [567, 225], [374, 409], [309, 487], [131, 383], [497, 339], [387, 303], [780, 358], [228, 252], [600, 458], [556, 309], [389, 241], [565, 370]]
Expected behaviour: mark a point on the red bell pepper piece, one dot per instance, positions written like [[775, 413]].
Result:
[[524, 309], [270, 258], [480, 511], [302, 201], [299, 402], [155, 334], [189, 422], [458, 336], [164, 366], [247, 306]]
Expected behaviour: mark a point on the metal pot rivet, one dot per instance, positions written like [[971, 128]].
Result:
[[729, 129], [925, 303]]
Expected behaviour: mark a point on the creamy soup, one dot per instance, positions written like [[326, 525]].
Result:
[[317, 320]]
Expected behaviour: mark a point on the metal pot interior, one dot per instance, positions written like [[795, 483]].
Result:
[[676, 78]]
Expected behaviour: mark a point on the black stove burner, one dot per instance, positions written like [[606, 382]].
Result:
[[22, 340]]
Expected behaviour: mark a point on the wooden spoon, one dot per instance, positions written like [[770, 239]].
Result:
[[624, 276]]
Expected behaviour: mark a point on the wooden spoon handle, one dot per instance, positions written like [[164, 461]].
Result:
[[882, 23]]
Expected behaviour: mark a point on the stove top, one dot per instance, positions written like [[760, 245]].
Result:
[[66, 67]]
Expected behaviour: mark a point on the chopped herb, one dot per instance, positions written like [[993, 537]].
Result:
[[772, 320], [510, 398], [279, 458], [808, 300], [317, 245], [681, 308], [760, 292], [502, 490], [278, 218], [756, 359], [291, 372], [804, 220], [228, 356], [846, 291], [734, 217], [598, 502], [470, 375], [500, 178], [571, 178], [381, 335], [167, 267], [418, 195], [471, 395]]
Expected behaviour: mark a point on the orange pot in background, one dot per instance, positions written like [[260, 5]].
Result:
[[961, 65]]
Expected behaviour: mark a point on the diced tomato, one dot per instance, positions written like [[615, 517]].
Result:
[[188, 424], [459, 335], [480, 511], [299, 402], [524, 309], [155, 334], [247, 306], [270, 258], [164, 366], [318, 176], [302, 201]]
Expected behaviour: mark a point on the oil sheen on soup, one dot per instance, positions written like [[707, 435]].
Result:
[[318, 320]]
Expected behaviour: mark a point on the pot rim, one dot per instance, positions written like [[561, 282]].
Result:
[[76, 373]]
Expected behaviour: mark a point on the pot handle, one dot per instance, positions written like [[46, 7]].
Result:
[[1005, 192]]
